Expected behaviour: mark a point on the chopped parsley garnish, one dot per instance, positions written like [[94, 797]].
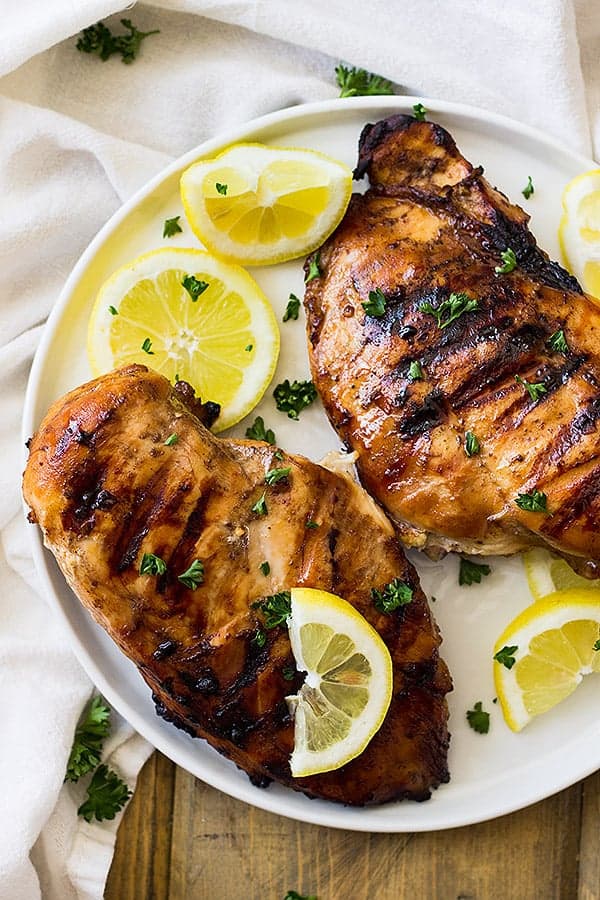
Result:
[[106, 795], [171, 227], [536, 501], [529, 189], [260, 637], [472, 573], [450, 310], [248, 347], [310, 523], [276, 608], [535, 390], [292, 309], [597, 645], [221, 188], [360, 83], [313, 268], [394, 595], [257, 432], [558, 342], [100, 40], [194, 287], [260, 507], [89, 737], [265, 568], [193, 576], [276, 475], [293, 398], [478, 718], [509, 262], [472, 445], [375, 305], [152, 565], [113, 311], [172, 439], [288, 672], [415, 371], [506, 656], [419, 112], [147, 347]]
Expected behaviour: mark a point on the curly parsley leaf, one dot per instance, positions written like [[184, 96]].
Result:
[[113, 310], [257, 431], [147, 347], [171, 440], [478, 718], [293, 398], [506, 656], [314, 270], [100, 40], [193, 576], [194, 286], [375, 305], [171, 227], [310, 523], [597, 645], [394, 595], [529, 189], [260, 637], [471, 573], [221, 188], [449, 310], [152, 565], [292, 309], [558, 342], [415, 371], [274, 476], [509, 262], [106, 795], [536, 501], [472, 445], [355, 82], [419, 112], [89, 737], [276, 608], [265, 567], [534, 389], [260, 507]]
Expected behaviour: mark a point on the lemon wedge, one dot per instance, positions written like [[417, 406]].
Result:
[[579, 231], [348, 686], [547, 650], [191, 317], [547, 573], [258, 205]]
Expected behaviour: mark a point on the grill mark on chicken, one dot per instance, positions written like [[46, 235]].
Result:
[[197, 648], [582, 496]]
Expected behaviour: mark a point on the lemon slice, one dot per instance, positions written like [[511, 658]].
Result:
[[579, 231], [552, 644], [259, 205], [547, 573], [225, 342], [348, 686]]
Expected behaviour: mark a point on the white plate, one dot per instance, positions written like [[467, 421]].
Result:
[[491, 774]]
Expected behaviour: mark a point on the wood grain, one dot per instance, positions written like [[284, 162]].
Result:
[[182, 840]]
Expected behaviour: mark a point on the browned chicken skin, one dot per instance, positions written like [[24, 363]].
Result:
[[430, 225], [106, 489]]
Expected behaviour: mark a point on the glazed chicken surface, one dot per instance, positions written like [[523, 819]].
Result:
[[106, 489], [430, 230]]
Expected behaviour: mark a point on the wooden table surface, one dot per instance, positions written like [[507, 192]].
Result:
[[182, 840]]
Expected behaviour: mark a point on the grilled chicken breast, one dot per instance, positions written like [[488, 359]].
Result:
[[518, 367], [106, 489]]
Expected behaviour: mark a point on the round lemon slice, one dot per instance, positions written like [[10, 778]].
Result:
[[193, 318], [348, 686], [547, 573], [579, 231], [258, 205], [547, 650]]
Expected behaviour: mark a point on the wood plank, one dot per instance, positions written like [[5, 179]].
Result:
[[589, 847], [221, 845], [140, 867]]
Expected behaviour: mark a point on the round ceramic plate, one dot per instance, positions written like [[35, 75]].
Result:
[[491, 774]]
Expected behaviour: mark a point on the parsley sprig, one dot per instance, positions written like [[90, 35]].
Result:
[[534, 389], [506, 656], [152, 565], [471, 572], [394, 595], [293, 397], [472, 445], [106, 795], [536, 501], [558, 342], [89, 737], [358, 82], [529, 189], [478, 718], [451, 309], [375, 305], [274, 476], [100, 40], [509, 262], [292, 309], [258, 432], [275, 607], [314, 268], [193, 576], [171, 227], [194, 286], [415, 371], [419, 112]]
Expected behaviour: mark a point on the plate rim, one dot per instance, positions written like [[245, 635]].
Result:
[[318, 815]]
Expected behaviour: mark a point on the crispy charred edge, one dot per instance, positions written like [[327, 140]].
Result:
[[206, 412], [372, 136]]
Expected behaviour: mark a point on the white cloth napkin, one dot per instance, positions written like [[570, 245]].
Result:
[[79, 136]]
